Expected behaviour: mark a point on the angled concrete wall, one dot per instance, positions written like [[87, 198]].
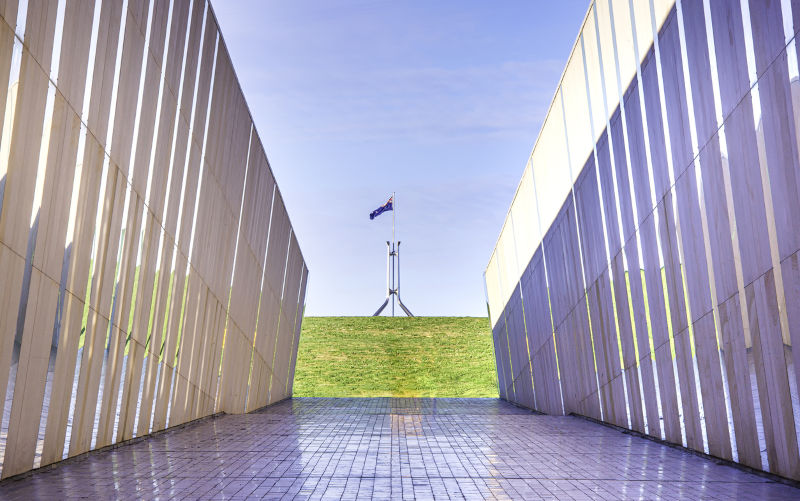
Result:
[[648, 273], [150, 274]]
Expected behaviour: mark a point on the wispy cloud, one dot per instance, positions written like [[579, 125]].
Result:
[[420, 103]]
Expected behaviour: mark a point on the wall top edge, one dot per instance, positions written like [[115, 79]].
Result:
[[611, 106], [541, 127], [255, 128]]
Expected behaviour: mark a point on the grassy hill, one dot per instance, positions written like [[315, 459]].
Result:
[[395, 357]]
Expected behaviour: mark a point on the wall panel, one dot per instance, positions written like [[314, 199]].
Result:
[[693, 277], [118, 252]]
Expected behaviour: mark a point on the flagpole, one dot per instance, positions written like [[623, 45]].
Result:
[[394, 209], [393, 251]]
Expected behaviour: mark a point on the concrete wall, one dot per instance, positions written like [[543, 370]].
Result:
[[148, 268], [648, 274]]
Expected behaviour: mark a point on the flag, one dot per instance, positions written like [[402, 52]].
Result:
[[383, 208]]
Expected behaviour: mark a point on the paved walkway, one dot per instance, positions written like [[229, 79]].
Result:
[[394, 448]]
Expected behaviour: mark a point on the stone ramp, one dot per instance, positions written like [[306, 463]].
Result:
[[393, 448]]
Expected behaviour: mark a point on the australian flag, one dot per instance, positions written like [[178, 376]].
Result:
[[383, 208]]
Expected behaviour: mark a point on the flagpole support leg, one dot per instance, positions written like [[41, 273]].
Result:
[[397, 291], [377, 313]]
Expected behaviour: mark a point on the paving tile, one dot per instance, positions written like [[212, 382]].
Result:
[[393, 448]]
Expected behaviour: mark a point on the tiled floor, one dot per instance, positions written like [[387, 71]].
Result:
[[394, 448]]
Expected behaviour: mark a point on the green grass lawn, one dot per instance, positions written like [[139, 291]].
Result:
[[395, 357]]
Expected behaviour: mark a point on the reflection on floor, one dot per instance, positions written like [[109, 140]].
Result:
[[394, 448]]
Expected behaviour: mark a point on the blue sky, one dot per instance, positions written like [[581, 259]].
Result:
[[439, 101]]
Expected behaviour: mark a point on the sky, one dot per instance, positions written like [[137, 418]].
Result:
[[439, 102]]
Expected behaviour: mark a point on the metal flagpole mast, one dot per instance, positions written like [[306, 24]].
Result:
[[394, 209], [388, 272]]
